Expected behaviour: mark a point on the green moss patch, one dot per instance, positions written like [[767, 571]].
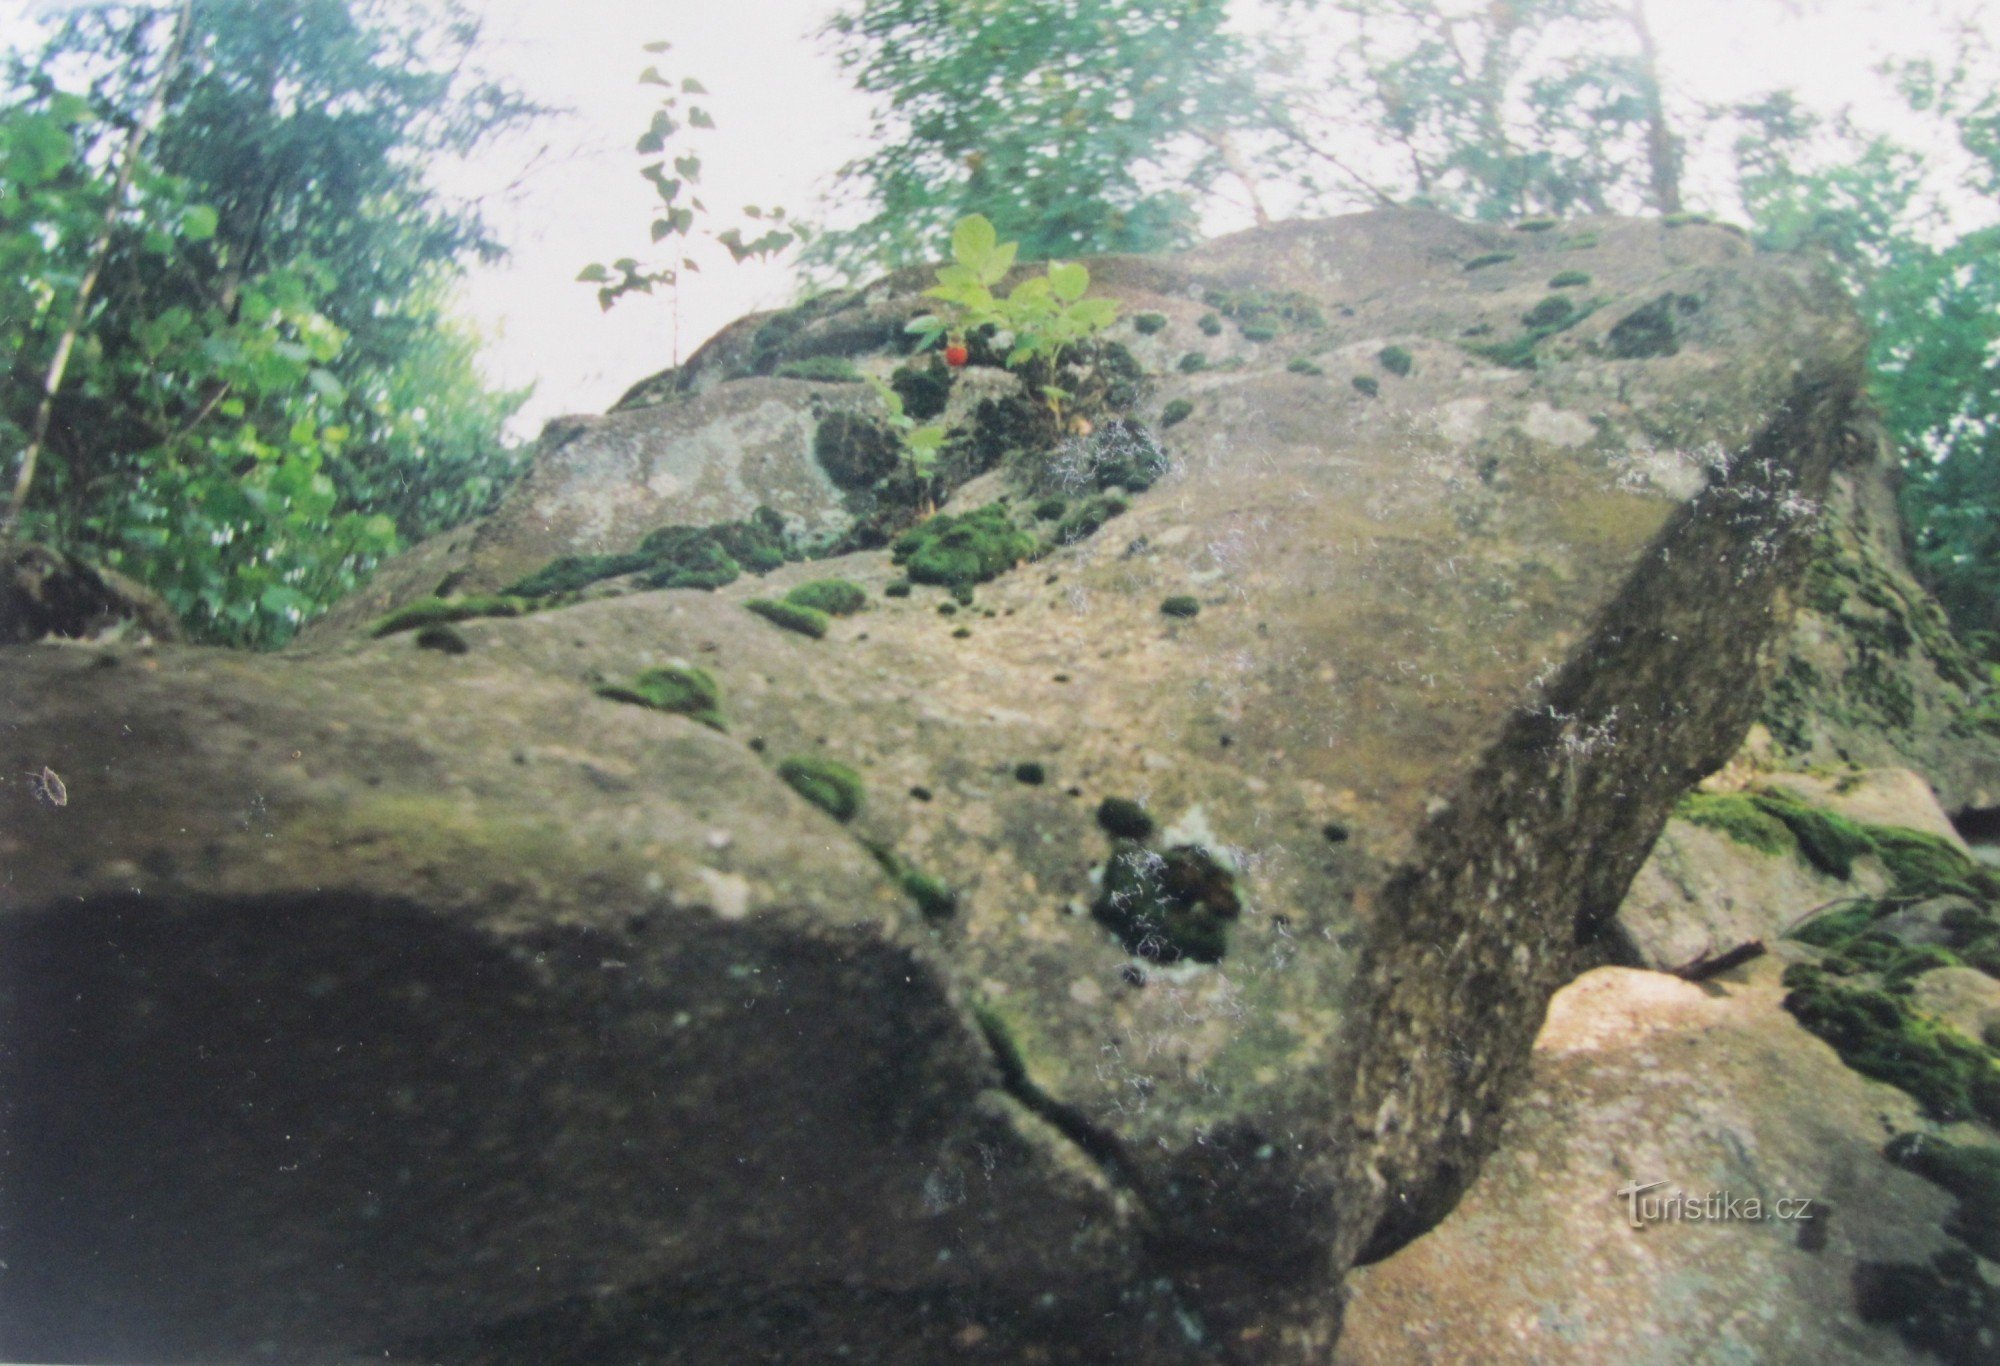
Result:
[[1210, 325], [1550, 312], [1968, 1172], [1367, 384], [1168, 907], [855, 451], [806, 621], [675, 688], [933, 900], [1181, 605], [1736, 815], [925, 390], [966, 549], [1304, 365], [1258, 332], [1124, 818], [1050, 510], [1259, 313], [835, 597], [1650, 330], [674, 557], [1088, 517], [824, 369], [1879, 1036], [1193, 363], [1491, 258], [1176, 412], [1395, 360], [1146, 324], [1535, 225], [833, 788], [1569, 279], [1033, 774], [437, 611], [443, 639], [1945, 1308]]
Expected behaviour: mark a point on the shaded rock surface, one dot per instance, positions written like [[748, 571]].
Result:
[[1639, 1078], [468, 1009]]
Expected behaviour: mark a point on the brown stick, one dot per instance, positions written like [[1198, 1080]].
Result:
[[1701, 969]]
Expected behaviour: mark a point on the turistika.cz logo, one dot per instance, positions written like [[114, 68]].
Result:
[[1648, 1203]]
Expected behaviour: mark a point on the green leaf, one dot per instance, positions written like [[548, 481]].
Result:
[[651, 76], [693, 87], [1094, 315], [593, 275], [699, 118], [198, 222], [1068, 280], [972, 241], [660, 46]]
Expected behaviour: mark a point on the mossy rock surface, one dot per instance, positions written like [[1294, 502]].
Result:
[[832, 787], [676, 688], [806, 621], [835, 597]]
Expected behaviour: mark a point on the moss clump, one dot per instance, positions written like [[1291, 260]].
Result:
[[835, 597], [1087, 517], [1878, 1036], [1050, 509], [1946, 1308], [437, 611], [899, 589], [932, 898], [684, 691], [674, 557], [824, 369], [1149, 323], [1367, 384], [1395, 360], [963, 550], [1736, 815], [1258, 332], [1176, 412], [1836, 927], [1491, 258], [947, 609], [1181, 605], [1263, 310], [961, 593], [1033, 774], [1304, 365], [1684, 220], [855, 451], [1210, 325], [1120, 454], [925, 390], [806, 621], [1828, 842], [1569, 279], [833, 788], [1928, 865], [443, 639], [1650, 330], [1553, 311], [1970, 1173], [1193, 363], [1124, 818], [1168, 907], [1583, 241], [1535, 225]]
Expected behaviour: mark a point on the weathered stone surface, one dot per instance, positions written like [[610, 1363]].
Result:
[[1484, 626], [1872, 675], [1637, 1078], [1701, 893]]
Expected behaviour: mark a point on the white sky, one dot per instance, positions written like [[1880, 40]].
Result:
[[787, 121]]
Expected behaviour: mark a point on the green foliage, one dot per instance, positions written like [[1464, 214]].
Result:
[[676, 219], [1149, 323], [1738, 816], [1087, 517], [1569, 279], [1395, 360], [1968, 1172], [1181, 606], [835, 597], [1304, 365], [433, 611], [685, 691], [1367, 385], [1074, 126], [673, 557], [807, 621], [268, 394], [919, 445], [1043, 315], [963, 549], [834, 788], [1180, 410], [1210, 325]]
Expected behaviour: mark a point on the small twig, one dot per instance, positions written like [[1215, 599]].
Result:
[[1704, 967]]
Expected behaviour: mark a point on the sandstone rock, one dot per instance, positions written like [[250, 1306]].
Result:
[[1636, 1078], [375, 996]]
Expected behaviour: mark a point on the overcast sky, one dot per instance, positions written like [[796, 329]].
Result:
[[569, 194]]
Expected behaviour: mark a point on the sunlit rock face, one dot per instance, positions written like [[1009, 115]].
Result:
[[654, 1057]]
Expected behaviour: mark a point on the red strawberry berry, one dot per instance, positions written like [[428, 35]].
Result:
[[955, 355]]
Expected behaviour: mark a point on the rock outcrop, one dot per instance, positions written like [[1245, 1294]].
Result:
[[1040, 976]]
